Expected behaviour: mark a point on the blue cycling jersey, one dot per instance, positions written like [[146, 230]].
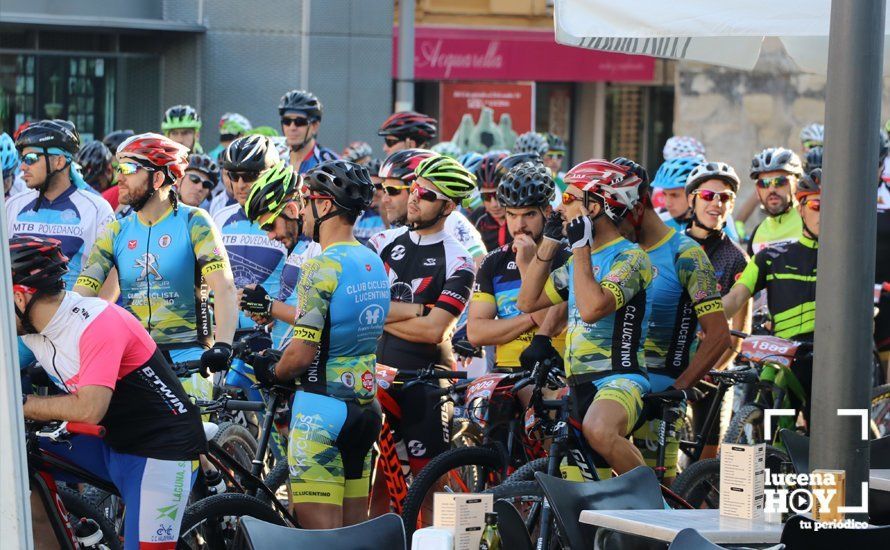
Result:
[[318, 155], [290, 275]]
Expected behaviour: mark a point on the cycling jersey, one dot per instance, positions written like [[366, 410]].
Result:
[[774, 230], [343, 300], [461, 229], [494, 234], [368, 224], [434, 270], [498, 283], [614, 344], [683, 288], [727, 257], [75, 218], [290, 275], [788, 273], [160, 267], [255, 259], [89, 342], [220, 201], [315, 157]]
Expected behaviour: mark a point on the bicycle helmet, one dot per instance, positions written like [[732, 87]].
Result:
[[373, 167], [94, 159], [37, 262], [617, 187], [272, 191], [527, 184], [45, 134], [486, 172], [470, 160], [347, 183], [531, 142], [672, 174], [712, 170], [181, 116], [253, 153], [401, 164], [448, 175], [9, 157], [115, 138], [234, 124], [281, 146], [813, 159], [682, 146], [510, 161], [555, 144], [447, 148], [809, 184], [205, 164], [814, 134], [410, 124], [775, 158], [636, 169], [301, 102], [159, 151], [357, 150]]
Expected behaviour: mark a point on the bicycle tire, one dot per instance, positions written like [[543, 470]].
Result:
[[215, 508], [275, 479], [880, 410], [749, 414], [705, 474], [526, 472], [79, 507], [489, 459], [238, 444]]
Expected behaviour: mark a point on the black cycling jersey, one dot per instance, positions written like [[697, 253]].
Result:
[[434, 270], [727, 257], [494, 234]]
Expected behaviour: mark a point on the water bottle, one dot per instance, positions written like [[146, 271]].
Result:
[[215, 482]]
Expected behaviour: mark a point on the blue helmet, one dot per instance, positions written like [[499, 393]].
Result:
[[470, 160], [9, 157], [673, 173]]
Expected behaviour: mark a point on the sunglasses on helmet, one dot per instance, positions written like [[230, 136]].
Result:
[[299, 122], [708, 195], [425, 194], [205, 183], [776, 182], [248, 176]]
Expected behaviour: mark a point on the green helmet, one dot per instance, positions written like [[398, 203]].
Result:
[[449, 176], [180, 116], [272, 191]]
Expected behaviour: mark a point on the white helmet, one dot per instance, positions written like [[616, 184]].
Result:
[[683, 146], [813, 135], [712, 170]]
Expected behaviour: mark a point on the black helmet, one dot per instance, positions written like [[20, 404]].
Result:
[[204, 164], [636, 169], [373, 166], [253, 153], [93, 158], [511, 161], [303, 102], [49, 133], [115, 138], [528, 184], [486, 171], [348, 184], [813, 159], [37, 262]]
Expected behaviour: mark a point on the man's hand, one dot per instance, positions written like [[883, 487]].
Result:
[[580, 232], [553, 227], [216, 359], [524, 247], [255, 299], [264, 370], [539, 350]]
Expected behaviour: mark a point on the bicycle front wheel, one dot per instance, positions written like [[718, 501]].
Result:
[[746, 426], [212, 523]]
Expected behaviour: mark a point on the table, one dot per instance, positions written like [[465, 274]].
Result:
[[879, 480], [665, 524]]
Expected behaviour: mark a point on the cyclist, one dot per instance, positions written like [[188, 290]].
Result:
[[112, 141], [407, 130], [200, 178], [490, 220], [57, 204], [111, 373], [182, 124], [358, 152], [94, 159], [553, 159], [300, 113], [431, 277], [788, 273], [167, 255], [231, 127], [670, 179], [605, 284], [343, 302], [398, 172], [776, 170], [683, 290], [525, 193], [9, 166]]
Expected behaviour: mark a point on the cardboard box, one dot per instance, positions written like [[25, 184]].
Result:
[[840, 479], [464, 514], [742, 480]]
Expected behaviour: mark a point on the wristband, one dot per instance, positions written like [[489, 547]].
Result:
[[540, 259]]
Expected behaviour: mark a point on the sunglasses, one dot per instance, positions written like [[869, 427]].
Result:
[[248, 176], [568, 198], [708, 195], [811, 144], [555, 156], [31, 158], [425, 194], [488, 195], [392, 141], [206, 184], [24, 289], [395, 190], [813, 204], [776, 182], [298, 122], [130, 168]]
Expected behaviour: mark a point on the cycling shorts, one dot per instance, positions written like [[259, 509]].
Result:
[[329, 448], [626, 389], [425, 423], [155, 492], [646, 436]]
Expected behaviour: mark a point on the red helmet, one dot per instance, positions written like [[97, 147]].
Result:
[[616, 185], [37, 263], [158, 151], [409, 124], [401, 164]]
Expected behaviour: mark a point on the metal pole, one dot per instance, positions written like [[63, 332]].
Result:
[[405, 83], [842, 375]]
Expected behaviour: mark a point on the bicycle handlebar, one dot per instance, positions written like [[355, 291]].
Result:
[[433, 373], [185, 369], [82, 428]]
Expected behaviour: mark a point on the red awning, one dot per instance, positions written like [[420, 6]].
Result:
[[478, 53]]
